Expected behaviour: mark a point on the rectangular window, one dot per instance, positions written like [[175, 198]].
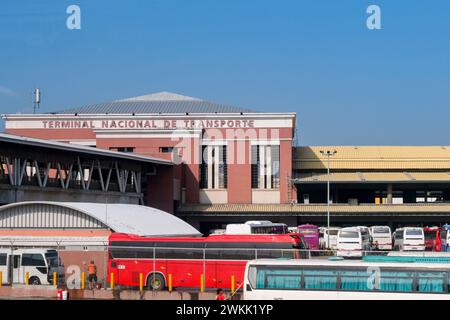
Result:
[[265, 167], [167, 149], [214, 169], [33, 259], [3, 259], [122, 149]]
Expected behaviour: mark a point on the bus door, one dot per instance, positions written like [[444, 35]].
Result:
[[4, 267], [14, 271]]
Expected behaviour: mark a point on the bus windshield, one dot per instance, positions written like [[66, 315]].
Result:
[[52, 259]]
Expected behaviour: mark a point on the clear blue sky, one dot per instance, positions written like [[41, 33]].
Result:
[[349, 85]]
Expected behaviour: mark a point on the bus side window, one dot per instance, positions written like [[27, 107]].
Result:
[[33, 259], [3, 259]]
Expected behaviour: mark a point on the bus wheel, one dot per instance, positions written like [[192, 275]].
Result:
[[35, 281], [156, 282]]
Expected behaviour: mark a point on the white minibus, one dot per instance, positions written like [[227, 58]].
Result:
[[409, 239], [352, 242], [381, 237], [39, 263], [328, 238]]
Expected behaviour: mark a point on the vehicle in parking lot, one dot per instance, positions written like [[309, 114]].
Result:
[[432, 238], [328, 238], [353, 242], [381, 237], [409, 239], [39, 263], [445, 238], [309, 233]]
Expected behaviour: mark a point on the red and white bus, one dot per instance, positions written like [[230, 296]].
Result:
[[432, 238], [217, 257]]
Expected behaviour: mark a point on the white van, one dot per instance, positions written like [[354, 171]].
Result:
[[330, 235], [352, 242], [381, 237], [409, 239], [39, 263]]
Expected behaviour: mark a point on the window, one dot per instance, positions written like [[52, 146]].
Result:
[[33, 259], [3, 259], [349, 234], [214, 169], [265, 167], [429, 196], [122, 149], [167, 149], [351, 279]]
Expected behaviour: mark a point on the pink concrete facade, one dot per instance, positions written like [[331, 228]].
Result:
[[153, 135]]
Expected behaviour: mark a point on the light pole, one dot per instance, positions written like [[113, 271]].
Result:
[[328, 154]]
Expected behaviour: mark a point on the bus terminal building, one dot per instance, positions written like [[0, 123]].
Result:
[[231, 164]]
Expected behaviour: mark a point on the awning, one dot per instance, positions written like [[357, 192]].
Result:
[[373, 177]]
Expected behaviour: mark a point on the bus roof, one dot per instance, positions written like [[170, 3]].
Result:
[[210, 238], [346, 263]]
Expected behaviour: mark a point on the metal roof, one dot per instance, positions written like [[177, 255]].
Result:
[[161, 102], [46, 144], [373, 177], [124, 218], [373, 157], [313, 209]]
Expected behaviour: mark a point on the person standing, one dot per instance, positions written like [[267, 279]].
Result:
[[220, 295], [92, 274]]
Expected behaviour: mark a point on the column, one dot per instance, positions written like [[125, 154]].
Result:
[[389, 194]]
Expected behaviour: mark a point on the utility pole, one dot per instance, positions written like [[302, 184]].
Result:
[[328, 154]]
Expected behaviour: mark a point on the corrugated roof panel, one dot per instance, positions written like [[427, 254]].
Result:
[[164, 102], [122, 218], [316, 208], [373, 157]]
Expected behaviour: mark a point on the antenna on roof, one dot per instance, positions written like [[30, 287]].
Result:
[[37, 99]]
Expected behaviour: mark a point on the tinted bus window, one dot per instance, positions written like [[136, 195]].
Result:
[[3, 259], [33, 259]]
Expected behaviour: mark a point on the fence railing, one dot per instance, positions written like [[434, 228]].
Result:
[[140, 263]]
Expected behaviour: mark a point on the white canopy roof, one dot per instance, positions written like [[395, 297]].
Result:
[[126, 218]]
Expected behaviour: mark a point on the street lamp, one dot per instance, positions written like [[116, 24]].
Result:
[[328, 154]]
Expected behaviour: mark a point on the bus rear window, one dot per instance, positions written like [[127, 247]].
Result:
[[380, 230], [349, 234], [414, 232]]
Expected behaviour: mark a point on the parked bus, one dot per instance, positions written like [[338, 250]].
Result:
[[310, 233], [445, 238], [432, 238], [353, 242], [381, 237], [39, 263], [217, 257], [270, 279], [328, 238], [256, 227], [409, 239]]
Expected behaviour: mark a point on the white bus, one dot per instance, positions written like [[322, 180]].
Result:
[[409, 239], [328, 238], [39, 263], [352, 242], [345, 280], [257, 227], [381, 237]]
